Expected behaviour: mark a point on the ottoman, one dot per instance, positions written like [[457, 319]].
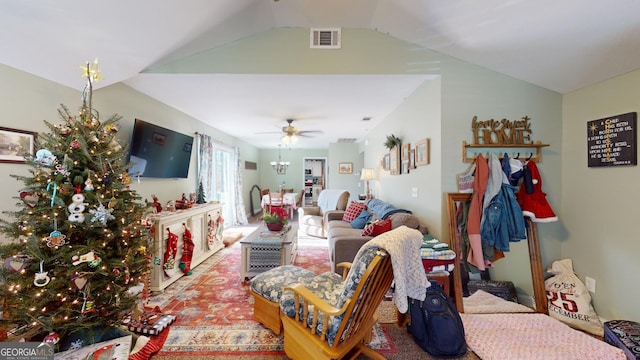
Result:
[[269, 298], [266, 289]]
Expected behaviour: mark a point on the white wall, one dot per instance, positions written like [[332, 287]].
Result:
[[599, 203]]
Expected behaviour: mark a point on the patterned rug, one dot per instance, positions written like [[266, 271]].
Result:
[[214, 309]]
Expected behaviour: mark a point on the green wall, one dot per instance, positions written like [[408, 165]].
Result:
[[599, 202]]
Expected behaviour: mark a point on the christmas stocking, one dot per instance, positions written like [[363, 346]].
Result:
[[187, 251], [170, 254]]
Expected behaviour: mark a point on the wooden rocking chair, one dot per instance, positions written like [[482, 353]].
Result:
[[322, 330]]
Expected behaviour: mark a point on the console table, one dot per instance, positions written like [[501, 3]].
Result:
[[202, 221], [274, 251]]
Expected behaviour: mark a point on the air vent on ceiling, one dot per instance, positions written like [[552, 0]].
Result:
[[347, 140], [326, 38]]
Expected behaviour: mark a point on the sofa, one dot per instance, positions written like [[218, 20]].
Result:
[[345, 240], [311, 219]]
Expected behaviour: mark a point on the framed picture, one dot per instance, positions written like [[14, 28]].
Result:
[[422, 152], [386, 161], [406, 149], [412, 159], [394, 160], [405, 167], [15, 145], [345, 168]]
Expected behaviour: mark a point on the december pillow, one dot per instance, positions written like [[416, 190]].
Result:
[[377, 228], [353, 211]]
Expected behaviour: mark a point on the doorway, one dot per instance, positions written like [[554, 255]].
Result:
[[315, 179]]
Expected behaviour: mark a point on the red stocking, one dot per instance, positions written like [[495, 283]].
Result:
[[187, 251], [170, 254]]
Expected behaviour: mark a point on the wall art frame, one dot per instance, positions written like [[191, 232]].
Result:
[[15, 145], [345, 168], [422, 152]]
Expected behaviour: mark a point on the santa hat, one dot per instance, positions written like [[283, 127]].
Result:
[[534, 203]]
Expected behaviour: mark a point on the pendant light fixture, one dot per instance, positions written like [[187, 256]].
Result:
[[280, 166]]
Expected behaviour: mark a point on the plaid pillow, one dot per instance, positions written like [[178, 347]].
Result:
[[377, 228], [353, 211]]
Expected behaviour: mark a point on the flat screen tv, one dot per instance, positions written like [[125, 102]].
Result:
[[158, 152]]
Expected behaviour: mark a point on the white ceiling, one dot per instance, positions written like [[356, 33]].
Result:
[[559, 45]]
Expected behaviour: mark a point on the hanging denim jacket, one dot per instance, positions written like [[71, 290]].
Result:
[[503, 220]]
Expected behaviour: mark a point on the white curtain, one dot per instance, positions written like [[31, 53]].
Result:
[[206, 168], [240, 215], [205, 165]]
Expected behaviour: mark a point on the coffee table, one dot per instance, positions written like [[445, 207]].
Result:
[[263, 250]]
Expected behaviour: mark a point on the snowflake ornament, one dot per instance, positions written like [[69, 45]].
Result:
[[102, 214], [76, 345]]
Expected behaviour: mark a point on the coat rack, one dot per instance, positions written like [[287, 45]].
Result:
[[537, 145]]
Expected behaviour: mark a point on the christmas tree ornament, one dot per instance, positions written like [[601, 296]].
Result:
[[102, 214], [76, 208], [45, 157], [17, 263], [29, 198], [56, 238], [88, 185], [113, 202], [79, 281], [88, 257], [62, 169], [41, 278], [88, 305], [54, 193], [52, 338]]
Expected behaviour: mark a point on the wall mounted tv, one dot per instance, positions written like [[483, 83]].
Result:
[[158, 152]]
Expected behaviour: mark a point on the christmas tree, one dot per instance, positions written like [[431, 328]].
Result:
[[200, 198], [78, 245]]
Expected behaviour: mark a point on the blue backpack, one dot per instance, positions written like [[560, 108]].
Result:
[[436, 324]]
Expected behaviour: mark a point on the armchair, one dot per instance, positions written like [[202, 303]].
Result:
[[333, 324], [312, 219]]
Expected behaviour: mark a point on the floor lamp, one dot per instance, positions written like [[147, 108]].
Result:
[[366, 175]]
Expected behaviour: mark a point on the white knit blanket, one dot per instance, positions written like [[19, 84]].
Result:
[[403, 245]]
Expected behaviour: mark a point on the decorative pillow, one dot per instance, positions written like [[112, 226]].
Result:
[[353, 210], [361, 220], [377, 228]]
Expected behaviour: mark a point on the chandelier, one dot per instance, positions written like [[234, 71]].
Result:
[[280, 166]]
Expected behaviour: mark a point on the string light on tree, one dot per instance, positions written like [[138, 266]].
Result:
[[73, 286]]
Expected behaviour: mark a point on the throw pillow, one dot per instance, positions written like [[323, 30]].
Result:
[[361, 220], [377, 228], [353, 210]]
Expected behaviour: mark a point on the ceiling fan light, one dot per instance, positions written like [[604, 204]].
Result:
[[290, 139]]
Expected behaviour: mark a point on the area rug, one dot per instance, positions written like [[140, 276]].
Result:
[[215, 311], [531, 336]]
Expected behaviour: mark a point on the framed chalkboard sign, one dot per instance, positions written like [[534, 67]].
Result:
[[612, 141]]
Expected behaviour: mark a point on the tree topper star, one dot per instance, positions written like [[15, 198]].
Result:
[[91, 71]]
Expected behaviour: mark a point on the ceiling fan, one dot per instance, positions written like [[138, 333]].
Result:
[[290, 133]]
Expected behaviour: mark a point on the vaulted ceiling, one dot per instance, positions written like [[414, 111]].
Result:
[[558, 45]]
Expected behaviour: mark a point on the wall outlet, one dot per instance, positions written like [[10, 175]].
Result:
[[591, 284], [414, 192]]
